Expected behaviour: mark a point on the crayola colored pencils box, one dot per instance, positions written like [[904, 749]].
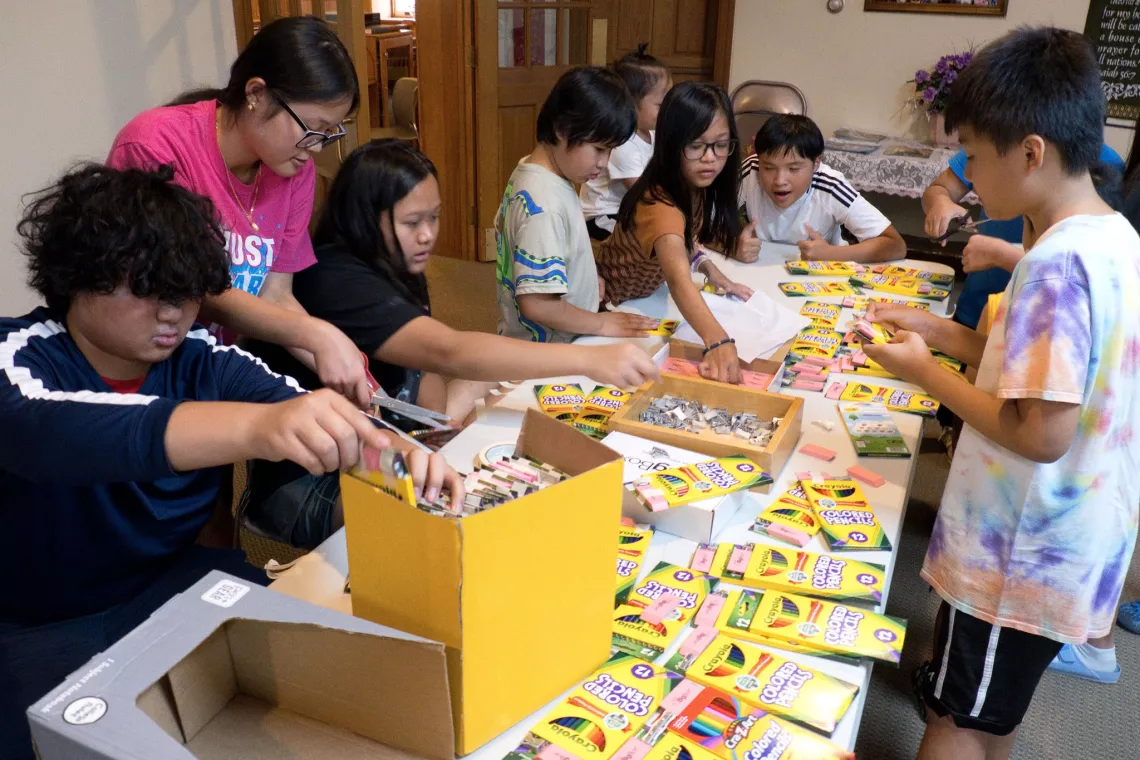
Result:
[[459, 581], [648, 639], [824, 268], [632, 545], [769, 681], [738, 614], [902, 286], [830, 626], [789, 518], [602, 714], [822, 289], [818, 575], [895, 399], [847, 520]]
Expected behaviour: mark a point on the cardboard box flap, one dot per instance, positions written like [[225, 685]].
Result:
[[560, 445], [202, 683]]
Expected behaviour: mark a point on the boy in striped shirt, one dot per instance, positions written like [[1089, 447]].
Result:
[[787, 195]]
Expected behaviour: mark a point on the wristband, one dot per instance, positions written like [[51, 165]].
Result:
[[718, 344]]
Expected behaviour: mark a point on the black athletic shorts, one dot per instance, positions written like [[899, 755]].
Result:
[[982, 675]]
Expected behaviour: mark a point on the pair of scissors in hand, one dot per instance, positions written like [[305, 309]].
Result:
[[960, 224]]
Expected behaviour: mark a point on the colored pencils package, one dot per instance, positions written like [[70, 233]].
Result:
[[895, 399], [673, 747], [789, 518], [562, 402], [738, 615], [769, 681], [818, 575], [824, 289], [594, 417], [599, 716], [902, 286], [860, 303], [822, 314], [632, 545], [685, 484], [872, 430], [831, 626], [816, 342], [732, 729], [934, 278], [847, 520], [825, 268], [658, 609]]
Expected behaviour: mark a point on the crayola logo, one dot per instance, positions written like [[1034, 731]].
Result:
[[573, 736], [718, 658], [771, 745]]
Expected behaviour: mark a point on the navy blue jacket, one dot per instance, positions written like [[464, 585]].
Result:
[[90, 508]]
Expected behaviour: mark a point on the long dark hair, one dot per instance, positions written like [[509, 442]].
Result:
[[687, 111], [372, 180], [301, 60]]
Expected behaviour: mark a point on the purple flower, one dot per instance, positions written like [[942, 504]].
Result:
[[950, 77], [928, 94], [941, 67], [922, 76]]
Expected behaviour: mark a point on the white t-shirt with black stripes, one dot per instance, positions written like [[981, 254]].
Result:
[[829, 204]]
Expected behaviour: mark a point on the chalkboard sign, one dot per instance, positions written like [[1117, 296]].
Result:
[[1114, 25]]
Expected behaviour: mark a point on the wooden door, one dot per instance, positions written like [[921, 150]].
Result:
[[348, 22], [523, 46]]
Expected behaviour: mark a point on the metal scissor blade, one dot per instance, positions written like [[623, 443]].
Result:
[[411, 411]]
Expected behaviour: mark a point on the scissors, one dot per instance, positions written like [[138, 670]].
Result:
[[381, 400], [960, 224]]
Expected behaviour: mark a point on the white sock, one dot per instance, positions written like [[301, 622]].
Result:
[[1095, 657]]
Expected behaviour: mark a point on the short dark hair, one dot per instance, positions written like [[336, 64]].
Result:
[[301, 60], [371, 181], [97, 228], [1034, 81], [589, 104], [640, 71], [786, 133]]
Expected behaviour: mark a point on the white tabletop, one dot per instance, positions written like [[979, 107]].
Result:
[[319, 576]]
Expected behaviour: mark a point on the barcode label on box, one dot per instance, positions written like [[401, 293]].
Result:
[[225, 593]]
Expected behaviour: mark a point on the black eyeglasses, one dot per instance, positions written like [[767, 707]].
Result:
[[697, 149], [312, 138]]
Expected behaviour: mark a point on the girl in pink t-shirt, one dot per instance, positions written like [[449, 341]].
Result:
[[249, 149]]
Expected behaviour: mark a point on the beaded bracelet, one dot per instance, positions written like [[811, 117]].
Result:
[[718, 344]]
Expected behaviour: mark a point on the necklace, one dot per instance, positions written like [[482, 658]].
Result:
[[229, 177]]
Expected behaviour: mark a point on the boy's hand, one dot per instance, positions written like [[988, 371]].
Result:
[[939, 217], [431, 474], [321, 431], [338, 364], [896, 318], [902, 357], [621, 324], [748, 245], [984, 252], [815, 248], [622, 365], [722, 364]]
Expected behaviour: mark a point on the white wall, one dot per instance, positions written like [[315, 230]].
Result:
[[75, 71], [853, 66]]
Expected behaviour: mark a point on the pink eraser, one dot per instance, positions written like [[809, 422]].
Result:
[[859, 357], [681, 696], [835, 391], [710, 611], [627, 522], [819, 452], [738, 560], [634, 749], [813, 476], [552, 752], [698, 641], [808, 385], [872, 479], [818, 361], [703, 558], [661, 607], [789, 534], [810, 371]]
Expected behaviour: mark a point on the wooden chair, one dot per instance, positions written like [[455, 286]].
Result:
[[405, 101]]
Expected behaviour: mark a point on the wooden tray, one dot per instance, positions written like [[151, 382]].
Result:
[[734, 398]]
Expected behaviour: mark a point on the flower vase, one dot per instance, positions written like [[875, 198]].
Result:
[[938, 134]]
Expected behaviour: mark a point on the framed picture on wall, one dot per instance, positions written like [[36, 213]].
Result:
[[970, 7]]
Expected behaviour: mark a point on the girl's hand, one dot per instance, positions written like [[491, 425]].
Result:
[[743, 292], [431, 474], [338, 364], [903, 356], [722, 364]]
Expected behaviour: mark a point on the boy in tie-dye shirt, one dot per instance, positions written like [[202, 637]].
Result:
[[548, 286], [1038, 520]]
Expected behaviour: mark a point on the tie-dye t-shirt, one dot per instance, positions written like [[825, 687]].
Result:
[[1044, 548], [543, 247]]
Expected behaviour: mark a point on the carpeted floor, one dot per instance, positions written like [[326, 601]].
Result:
[[463, 293]]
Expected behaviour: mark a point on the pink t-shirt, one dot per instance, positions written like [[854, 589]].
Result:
[[186, 137]]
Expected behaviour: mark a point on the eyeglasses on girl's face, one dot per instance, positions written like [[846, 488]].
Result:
[[697, 149], [312, 138]]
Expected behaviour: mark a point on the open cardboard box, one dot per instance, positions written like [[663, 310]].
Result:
[[228, 669], [521, 594], [734, 398], [773, 366]]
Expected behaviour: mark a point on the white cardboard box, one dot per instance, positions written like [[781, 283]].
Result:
[[700, 521]]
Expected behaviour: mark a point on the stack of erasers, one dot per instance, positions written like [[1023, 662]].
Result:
[[507, 479], [676, 413]]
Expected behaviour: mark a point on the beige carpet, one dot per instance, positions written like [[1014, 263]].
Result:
[[463, 293]]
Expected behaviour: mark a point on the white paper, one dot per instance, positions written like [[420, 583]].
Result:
[[759, 326]]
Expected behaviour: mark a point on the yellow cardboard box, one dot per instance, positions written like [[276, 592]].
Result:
[[521, 595]]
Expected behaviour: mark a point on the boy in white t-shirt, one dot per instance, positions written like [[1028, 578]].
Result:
[[787, 195], [648, 80], [1038, 521], [548, 284]]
